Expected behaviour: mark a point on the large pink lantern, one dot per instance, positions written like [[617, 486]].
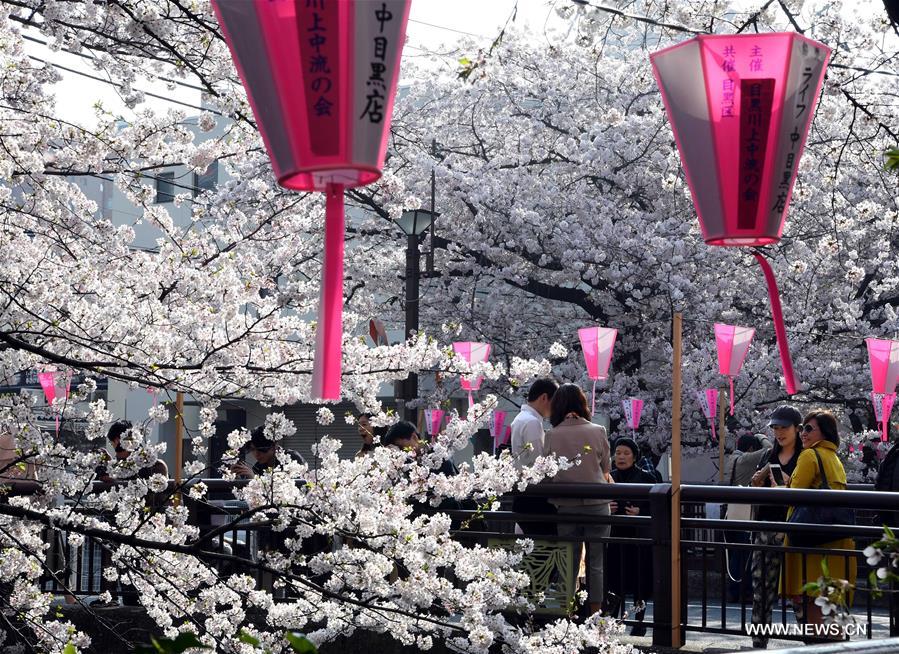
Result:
[[633, 407], [708, 400], [321, 77], [597, 344], [740, 106], [883, 355], [472, 353], [733, 343], [55, 384]]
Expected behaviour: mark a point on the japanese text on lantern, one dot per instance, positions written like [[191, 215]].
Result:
[[756, 98], [804, 97], [318, 48], [377, 85], [755, 61], [728, 86]]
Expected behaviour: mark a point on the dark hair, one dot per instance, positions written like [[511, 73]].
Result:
[[541, 386], [258, 439], [827, 422], [569, 398], [400, 430], [630, 443], [117, 429], [749, 443]]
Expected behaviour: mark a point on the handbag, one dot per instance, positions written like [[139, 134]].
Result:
[[736, 511], [832, 516]]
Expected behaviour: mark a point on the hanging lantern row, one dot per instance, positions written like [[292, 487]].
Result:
[[473, 353], [708, 400], [55, 384], [597, 344], [434, 421], [883, 356], [732, 343], [321, 78], [740, 107], [498, 429], [633, 407]]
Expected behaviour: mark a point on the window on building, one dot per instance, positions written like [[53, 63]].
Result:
[[208, 180], [165, 187]]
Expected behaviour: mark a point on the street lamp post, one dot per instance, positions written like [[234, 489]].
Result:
[[414, 224]]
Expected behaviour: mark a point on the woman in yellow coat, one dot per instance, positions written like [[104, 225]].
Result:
[[819, 435]]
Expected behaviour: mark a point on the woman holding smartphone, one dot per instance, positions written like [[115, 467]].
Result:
[[785, 421]]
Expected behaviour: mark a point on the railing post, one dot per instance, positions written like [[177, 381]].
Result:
[[660, 510]]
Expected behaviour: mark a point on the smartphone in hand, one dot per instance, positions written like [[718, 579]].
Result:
[[777, 474]]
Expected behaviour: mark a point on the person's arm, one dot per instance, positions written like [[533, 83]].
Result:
[[604, 452], [531, 442]]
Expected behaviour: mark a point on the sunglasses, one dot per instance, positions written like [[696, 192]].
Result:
[[808, 429]]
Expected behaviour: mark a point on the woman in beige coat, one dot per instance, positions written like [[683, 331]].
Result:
[[573, 436]]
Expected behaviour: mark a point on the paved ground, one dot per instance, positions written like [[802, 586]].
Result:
[[714, 643]]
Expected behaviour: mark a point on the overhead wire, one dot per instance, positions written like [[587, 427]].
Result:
[[119, 86]]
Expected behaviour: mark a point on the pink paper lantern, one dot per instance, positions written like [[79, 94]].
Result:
[[883, 407], [321, 78], [740, 106], [597, 344], [472, 353], [55, 383], [708, 400], [883, 355], [498, 428], [633, 407], [433, 421], [733, 344]]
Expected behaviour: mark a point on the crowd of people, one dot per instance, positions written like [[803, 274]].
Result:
[[800, 452], [803, 456]]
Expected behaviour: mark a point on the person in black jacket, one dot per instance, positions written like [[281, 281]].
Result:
[[629, 567]]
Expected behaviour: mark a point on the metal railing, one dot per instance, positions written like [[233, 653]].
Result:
[[704, 606]]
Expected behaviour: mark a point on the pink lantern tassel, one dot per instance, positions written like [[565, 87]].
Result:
[[470, 399], [714, 436], [593, 404], [888, 402], [779, 329], [329, 333], [731, 380]]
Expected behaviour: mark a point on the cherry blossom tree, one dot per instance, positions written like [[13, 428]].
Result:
[[562, 203], [567, 205]]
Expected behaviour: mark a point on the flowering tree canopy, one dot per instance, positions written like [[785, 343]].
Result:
[[562, 204]]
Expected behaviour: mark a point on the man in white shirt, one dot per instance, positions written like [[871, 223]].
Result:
[[527, 445]]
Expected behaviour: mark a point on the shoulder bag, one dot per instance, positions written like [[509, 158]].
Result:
[[831, 516], [736, 511]]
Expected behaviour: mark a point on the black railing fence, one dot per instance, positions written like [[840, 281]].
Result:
[[706, 546]]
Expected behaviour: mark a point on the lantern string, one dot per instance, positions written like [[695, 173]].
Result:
[[329, 332], [779, 329], [593, 403]]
